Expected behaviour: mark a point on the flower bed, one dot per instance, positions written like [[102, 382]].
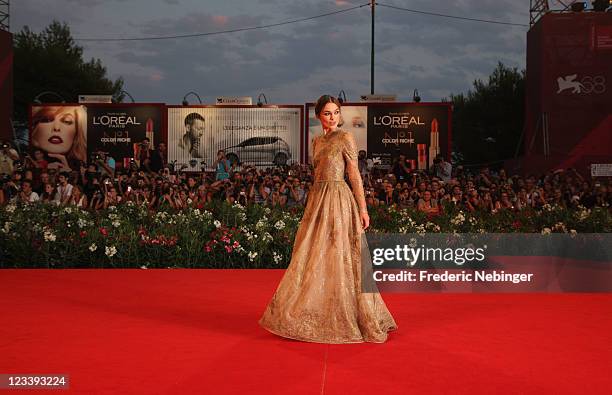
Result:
[[227, 236]]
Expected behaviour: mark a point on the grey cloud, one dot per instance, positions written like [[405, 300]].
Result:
[[295, 63]]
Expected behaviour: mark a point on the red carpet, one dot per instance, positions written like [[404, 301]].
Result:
[[195, 332]]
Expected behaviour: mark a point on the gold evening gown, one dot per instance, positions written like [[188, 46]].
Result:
[[320, 298]]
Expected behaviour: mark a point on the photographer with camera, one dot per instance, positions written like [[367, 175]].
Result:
[[442, 169], [8, 157], [38, 162], [144, 155], [159, 158], [105, 163], [401, 168]]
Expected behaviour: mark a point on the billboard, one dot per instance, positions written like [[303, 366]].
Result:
[[263, 136], [73, 132], [119, 128], [568, 121], [60, 131], [420, 131]]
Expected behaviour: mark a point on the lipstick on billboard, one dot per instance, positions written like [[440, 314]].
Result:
[[434, 142], [149, 132], [422, 156]]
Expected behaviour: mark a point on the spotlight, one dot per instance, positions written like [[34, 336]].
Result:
[[38, 101], [122, 92], [415, 96], [259, 102], [186, 103]]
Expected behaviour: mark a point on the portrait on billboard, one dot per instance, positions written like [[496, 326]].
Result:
[[191, 140], [61, 133]]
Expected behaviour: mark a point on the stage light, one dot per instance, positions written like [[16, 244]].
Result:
[[38, 101], [126, 93], [186, 103], [415, 96], [259, 102], [342, 97]]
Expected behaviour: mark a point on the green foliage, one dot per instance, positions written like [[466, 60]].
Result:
[[488, 120], [222, 235], [51, 61]]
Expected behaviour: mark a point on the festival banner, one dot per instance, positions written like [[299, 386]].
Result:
[[421, 131], [261, 136]]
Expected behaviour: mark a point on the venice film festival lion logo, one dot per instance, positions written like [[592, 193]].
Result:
[[587, 84]]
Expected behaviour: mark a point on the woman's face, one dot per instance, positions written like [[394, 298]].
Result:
[[329, 116], [55, 133], [48, 188]]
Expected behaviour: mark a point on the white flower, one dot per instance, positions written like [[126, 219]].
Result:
[[93, 247], [546, 231], [7, 227], [10, 208], [242, 216], [116, 223], [277, 257], [217, 223], [81, 223], [573, 233], [267, 237], [68, 210], [252, 256], [267, 211], [49, 235], [110, 251], [261, 223], [144, 267], [459, 219], [279, 224]]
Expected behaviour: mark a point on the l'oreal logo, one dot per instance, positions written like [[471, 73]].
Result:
[[115, 121], [398, 121]]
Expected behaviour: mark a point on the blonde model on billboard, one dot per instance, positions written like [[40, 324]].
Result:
[[60, 132], [320, 298]]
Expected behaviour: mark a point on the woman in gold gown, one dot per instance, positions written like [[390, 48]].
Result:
[[320, 297]]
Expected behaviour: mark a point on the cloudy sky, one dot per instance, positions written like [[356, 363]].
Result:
[[293, 63]]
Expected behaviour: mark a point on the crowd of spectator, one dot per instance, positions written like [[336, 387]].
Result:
[[102, 182]]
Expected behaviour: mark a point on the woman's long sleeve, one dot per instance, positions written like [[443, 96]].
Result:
[[352, 168]]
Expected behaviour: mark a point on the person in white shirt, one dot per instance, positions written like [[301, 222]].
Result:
[[27, 195]]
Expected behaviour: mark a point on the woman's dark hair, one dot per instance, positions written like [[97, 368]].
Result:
[[323, 100]]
